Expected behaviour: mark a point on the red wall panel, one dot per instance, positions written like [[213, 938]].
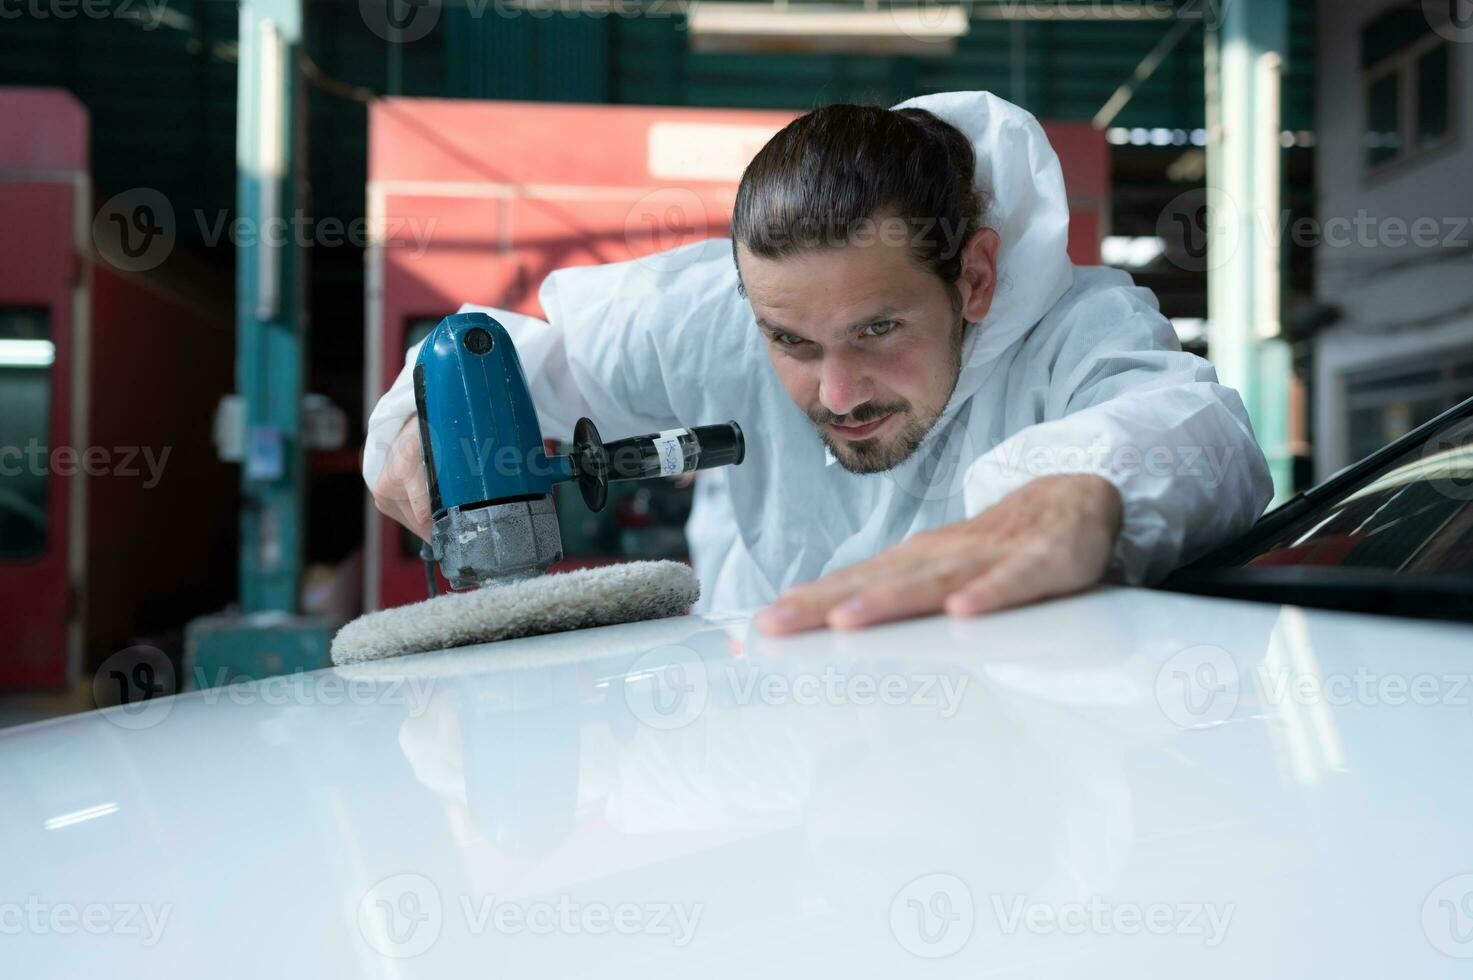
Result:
[[43, 161]]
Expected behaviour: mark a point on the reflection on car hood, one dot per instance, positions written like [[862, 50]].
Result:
[[1125, 783]]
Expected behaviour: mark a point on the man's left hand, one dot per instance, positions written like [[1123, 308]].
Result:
[[1050, 537]]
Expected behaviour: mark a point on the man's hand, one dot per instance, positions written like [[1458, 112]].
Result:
[[1050, 537], [402, 491]]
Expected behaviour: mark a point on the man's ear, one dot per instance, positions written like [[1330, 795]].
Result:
[[978, 279]]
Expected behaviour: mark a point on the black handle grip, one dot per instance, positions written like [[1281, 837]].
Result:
[[721, 445], [675, 451], [668, 453]]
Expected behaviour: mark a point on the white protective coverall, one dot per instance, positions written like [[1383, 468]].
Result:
[[1073, 370]]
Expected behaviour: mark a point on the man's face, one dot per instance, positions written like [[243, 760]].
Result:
[[866, 341]]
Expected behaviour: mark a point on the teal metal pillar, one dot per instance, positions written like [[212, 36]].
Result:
[[1246, 52], [266, 637], [270, 318]]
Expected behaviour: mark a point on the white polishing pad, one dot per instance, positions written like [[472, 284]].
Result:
[[601, 596]]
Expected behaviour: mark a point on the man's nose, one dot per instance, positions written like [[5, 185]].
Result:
[[842, 385]]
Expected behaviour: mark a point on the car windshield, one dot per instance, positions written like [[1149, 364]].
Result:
[[1392, 534], [1413, 514]]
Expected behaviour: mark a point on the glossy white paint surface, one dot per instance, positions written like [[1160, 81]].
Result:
[[1126, 785]]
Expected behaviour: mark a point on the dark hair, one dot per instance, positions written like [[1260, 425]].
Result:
[[826, 174]]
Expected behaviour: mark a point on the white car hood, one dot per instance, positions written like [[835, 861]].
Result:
[[1125, 784]]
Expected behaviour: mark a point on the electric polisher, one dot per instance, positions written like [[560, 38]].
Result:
[[495, 528]]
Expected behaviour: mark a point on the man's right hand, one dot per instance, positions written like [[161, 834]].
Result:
[[402, 491]]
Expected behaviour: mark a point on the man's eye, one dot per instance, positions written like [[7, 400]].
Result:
[[788, 340], [881, 328]]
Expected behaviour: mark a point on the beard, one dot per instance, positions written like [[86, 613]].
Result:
[[866, 456]]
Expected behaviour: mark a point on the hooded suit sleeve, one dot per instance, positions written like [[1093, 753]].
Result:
[[1112, 393]]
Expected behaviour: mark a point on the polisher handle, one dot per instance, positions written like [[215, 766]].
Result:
[[675, 451], [656, 454]]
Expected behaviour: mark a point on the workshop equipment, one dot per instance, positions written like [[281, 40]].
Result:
[[495, 529]]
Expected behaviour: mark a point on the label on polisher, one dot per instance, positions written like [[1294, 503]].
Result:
[[672, 457]]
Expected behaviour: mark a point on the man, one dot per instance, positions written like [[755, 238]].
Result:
[[994, 426]]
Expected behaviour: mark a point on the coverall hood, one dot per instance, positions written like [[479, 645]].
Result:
[[1018, 173]]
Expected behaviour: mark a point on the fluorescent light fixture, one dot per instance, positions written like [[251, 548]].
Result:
[[1160, 136], [1062, 10], [78, 816], [1120, 136], [27, 353], [1190, 329], [269, 164], [920, 30], [1131, 253]]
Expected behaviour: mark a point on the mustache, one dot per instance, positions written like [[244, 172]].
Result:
[[861, 414]]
